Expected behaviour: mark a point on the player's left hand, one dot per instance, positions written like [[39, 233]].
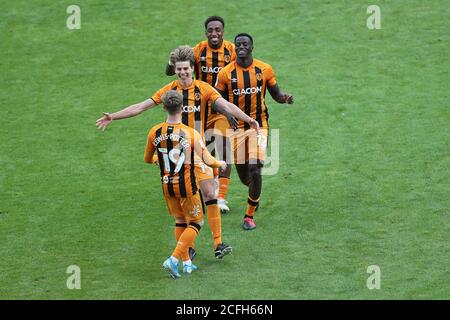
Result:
[[288, 98], [233, 122]]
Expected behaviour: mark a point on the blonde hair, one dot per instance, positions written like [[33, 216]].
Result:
[[182, 53], [172, 101]]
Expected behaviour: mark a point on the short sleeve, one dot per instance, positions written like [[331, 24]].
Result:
[[149, 148], [196, 52], [158, 94], [269, 75], [221, 83], [233, 53], [212, 94]]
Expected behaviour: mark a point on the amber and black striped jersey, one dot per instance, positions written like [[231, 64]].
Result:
[[175, 146], [197, 101], [209, 61], [246, 88]]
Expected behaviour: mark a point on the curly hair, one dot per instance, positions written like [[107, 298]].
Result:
[[214, 18], [182, 53], [172, 101]]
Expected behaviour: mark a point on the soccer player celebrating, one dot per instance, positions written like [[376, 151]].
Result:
[[211, 56], [175, 145], [197, 97], [244, 82]]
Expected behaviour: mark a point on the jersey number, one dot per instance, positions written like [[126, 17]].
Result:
[[174, 155]]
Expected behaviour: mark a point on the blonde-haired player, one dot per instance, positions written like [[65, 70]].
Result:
[[175, 144]]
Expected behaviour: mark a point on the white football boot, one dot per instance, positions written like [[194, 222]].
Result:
[[222, 204]]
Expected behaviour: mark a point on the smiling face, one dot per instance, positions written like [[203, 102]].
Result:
[[184, 70], [244, 47], [214, 33]]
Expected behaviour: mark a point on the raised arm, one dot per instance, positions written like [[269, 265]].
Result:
[[127, 112], [203, 153], [170, 69], [223, 106], [280, 96]]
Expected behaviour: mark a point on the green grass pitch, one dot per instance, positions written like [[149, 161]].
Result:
[[364, 152]]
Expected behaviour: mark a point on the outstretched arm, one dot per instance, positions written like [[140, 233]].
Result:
[[223, 106], [280, 96], [231, 120], [128, 112]]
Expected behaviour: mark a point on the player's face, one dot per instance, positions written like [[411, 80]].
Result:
[[184, 70], [244, 47], [214, 33]]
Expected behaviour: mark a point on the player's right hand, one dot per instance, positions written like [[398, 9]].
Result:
[[255, 125], [104, 121], [223, 165], [155, 159]]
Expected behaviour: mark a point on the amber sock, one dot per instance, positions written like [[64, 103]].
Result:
[[179, 229], [185, 241], [251, 207], [223, 187], [214, 221]]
